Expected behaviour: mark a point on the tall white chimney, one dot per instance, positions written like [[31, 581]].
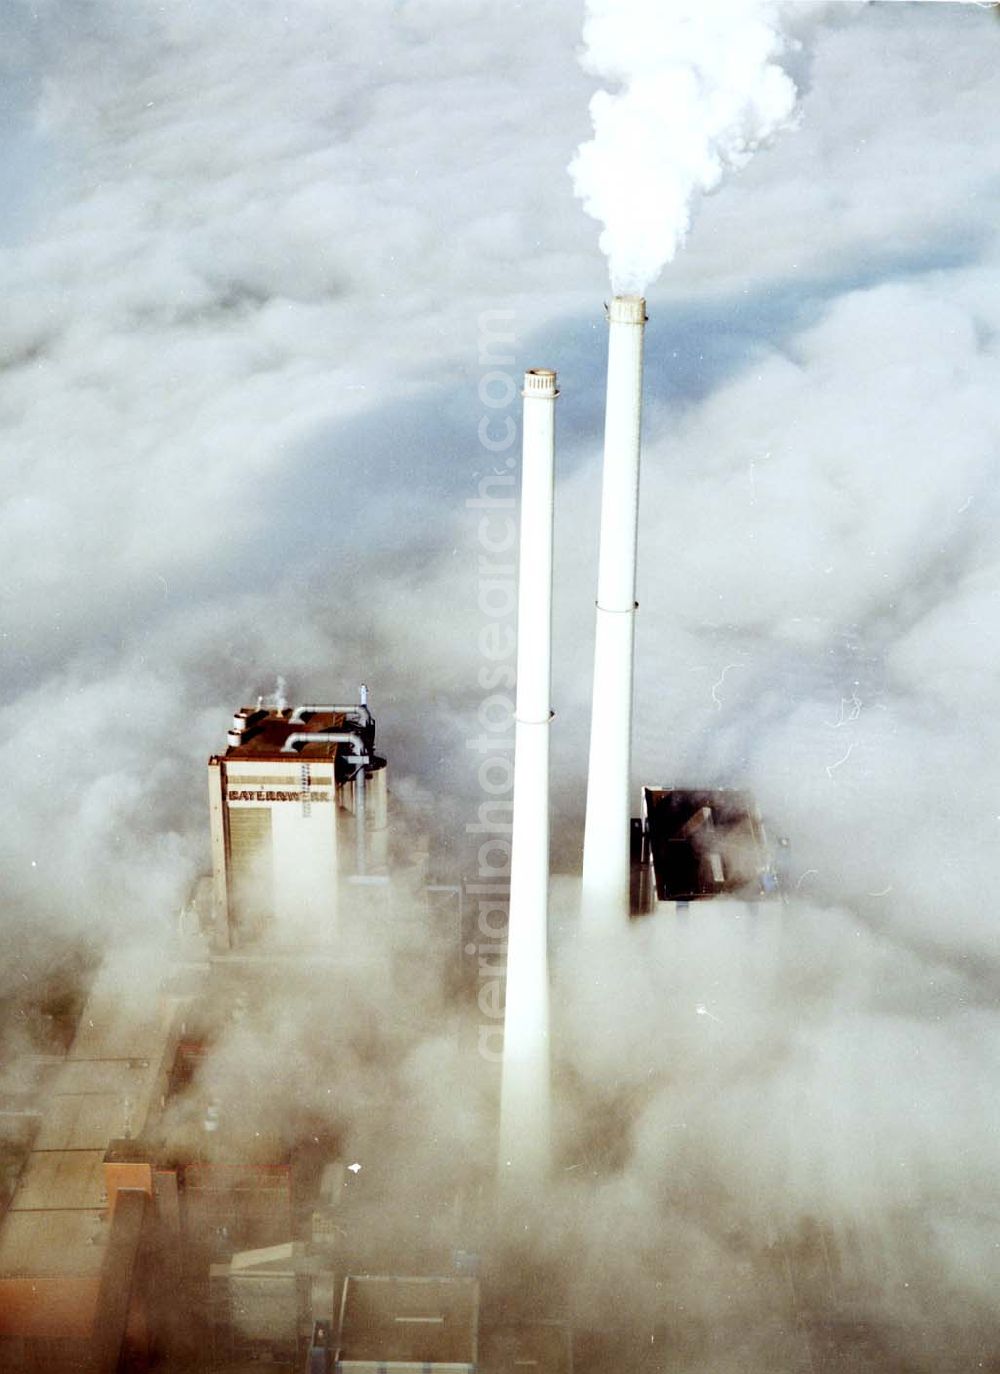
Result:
[[606, 842], [524, 1094]]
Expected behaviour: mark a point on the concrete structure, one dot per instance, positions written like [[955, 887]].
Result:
[[297, 803], [524, 1099], [698, 845], [409, 1325], [605, 890]]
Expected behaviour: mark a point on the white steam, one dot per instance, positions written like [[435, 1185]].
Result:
[[700, 92]]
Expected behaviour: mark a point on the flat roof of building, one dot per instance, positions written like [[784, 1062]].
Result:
[[54, 1180], [526, 1348], [112, 1029], [93, 1101], [705, 844], [60, 1242], [84, 1121], [422, 1321], [117, 1076]]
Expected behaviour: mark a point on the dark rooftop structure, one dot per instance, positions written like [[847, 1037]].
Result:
[[703, 844]]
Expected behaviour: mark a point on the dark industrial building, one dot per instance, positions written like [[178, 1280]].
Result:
[[692, 845]]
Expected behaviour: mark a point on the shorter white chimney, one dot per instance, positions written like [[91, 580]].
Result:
[[524, 1094]]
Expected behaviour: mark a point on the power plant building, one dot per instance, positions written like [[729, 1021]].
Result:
[[297, 804]]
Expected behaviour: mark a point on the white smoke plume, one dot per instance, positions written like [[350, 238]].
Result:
[[700, 91]]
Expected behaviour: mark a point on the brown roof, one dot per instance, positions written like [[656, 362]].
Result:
[[266, 736]]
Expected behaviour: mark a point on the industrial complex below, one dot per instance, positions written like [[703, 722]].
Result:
[[155, 1223]]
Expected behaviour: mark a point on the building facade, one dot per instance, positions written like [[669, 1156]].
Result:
[[298, 807]]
